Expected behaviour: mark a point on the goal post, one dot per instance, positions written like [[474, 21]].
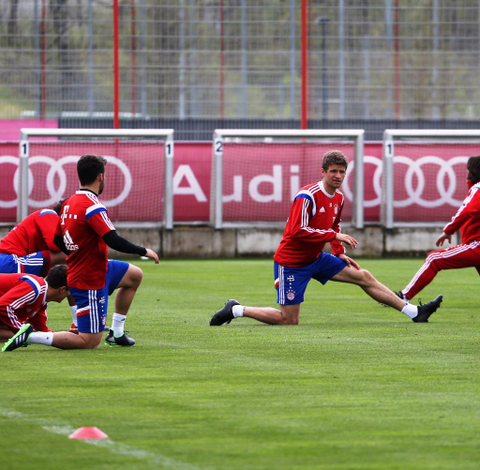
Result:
[[262, 169], [139, 186], [424, 175]]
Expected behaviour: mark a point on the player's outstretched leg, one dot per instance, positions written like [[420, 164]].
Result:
[[382, 294], [225, 314], [19, 339], [425, 310]]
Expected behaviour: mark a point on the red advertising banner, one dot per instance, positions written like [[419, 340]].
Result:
[[259, 182], [134, 177]]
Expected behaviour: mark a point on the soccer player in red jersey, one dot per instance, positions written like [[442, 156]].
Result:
[[24, 298], [465, 255], [29, 247], [85, 232], [313, 221]]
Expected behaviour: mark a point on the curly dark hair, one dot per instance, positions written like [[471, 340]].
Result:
[[57, 277], [473, 167], [89, 167], [334, 157], [58, 206]]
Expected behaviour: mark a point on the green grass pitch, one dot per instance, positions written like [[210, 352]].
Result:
[[354, 386]]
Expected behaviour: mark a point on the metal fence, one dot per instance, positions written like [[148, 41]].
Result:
[[240, 59]]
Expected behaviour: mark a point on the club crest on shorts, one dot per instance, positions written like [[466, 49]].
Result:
[[290, 294]]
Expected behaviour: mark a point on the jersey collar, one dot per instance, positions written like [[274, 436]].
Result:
[[324, 191], [84, 191]]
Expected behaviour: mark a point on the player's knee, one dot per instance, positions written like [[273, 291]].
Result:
[[289, 319], [92, 345], [135, 275], [91, 342], [366, 278]]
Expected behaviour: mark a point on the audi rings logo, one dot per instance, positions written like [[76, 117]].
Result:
[[414, 168], [57, 169]]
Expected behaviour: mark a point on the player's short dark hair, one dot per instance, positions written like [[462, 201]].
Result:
[[57, 277], [58, 206], [89, 167], [473, 167], [334, 157]]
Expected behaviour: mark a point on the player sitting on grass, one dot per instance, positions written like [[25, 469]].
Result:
[[24, 298], [314, 220], [465, 255]]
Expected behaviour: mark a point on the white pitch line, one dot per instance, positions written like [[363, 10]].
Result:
[[108, 444]]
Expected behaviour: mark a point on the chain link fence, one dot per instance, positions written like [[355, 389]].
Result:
[[240, 60]]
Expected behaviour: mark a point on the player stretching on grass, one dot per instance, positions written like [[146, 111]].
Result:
[[29, 247], [314, 220], [465, 255], [24, 297], [85, 232]]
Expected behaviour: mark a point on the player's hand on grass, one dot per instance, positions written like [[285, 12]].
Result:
[[441, 239], [349, 261], [151, 254], [349, 240]]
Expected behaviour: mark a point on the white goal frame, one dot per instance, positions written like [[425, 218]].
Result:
[[219, 136], [161, 134], [388, 153]]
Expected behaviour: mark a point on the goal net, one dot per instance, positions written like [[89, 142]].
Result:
[[424, 175], [138, 175], [256, 173]]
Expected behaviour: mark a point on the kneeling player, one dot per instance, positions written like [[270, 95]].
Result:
[[314, 220]]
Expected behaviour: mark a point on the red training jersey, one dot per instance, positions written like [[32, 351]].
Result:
[[313, 221], [467, 218], [34, 233], [23, 300], [83, 222]]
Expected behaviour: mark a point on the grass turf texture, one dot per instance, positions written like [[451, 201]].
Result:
[[354, 386]]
